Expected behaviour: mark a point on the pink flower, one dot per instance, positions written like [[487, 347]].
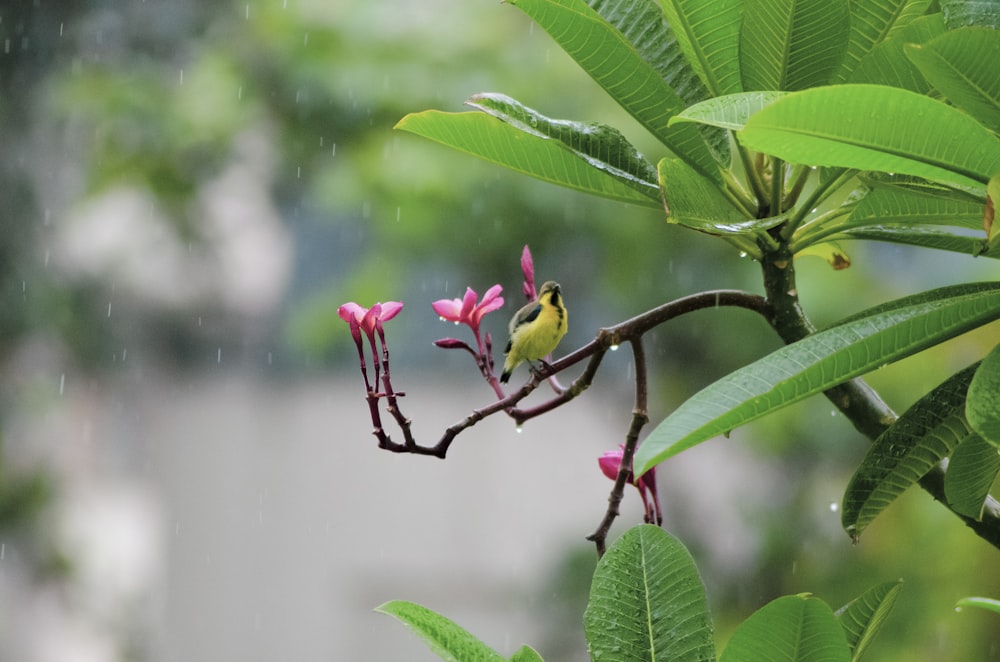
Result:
[[611, 463], [368, 320], [466, 310]]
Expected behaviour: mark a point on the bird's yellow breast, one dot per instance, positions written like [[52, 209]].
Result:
[[539, 337]]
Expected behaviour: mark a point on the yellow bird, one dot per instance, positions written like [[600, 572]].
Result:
[[536, 329]]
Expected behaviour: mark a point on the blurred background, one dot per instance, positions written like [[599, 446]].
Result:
[[190, 190]]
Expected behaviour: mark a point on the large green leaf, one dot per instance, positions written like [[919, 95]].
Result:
[[647, 602], [448, 640], [923, 237], [923, 435], [794, 628], [917, 207], [619, 67], [587, 157], [709, 35], [863, 617], [728, 112], [695, 202], [962, 65], [983, 407], [887, 63], [872, 127], [972, 470], [792, 44], [871, 23], [643, 25], [600, 145], [901, 208], [867, 341]]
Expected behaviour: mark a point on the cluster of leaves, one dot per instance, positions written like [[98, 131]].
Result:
[[791, 129], [647, 602]]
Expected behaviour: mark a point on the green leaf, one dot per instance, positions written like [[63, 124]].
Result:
[[922, 237], [447, 640], [709, 35], [728, 112], [892, 205], [887, 63], [792, 44], [924, 435], [603, 146], [647, 602], [960, 13], [619, 67], [962, 65], [988, 604], [695, 202], [814, 364], [643, 25], [526, 654], [871, 23], [863, 617], [538, 155], [794, 628], [972, 470], [983, 407], [871, 127]]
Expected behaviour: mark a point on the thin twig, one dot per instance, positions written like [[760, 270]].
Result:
[[607, 338], [639, 418]]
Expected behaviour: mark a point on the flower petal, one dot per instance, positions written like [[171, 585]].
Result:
[[468, 303], [351, 311], [610, 463], [371, 318], [389, 310], [450, 309]]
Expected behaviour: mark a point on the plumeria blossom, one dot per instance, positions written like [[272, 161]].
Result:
[[370, 321], [611, 463], [467, 311]]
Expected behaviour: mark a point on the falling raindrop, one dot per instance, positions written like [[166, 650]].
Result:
[[218, 356], [62, 383]]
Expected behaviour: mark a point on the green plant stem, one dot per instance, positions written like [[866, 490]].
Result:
[[777, 186], [855, 399], [818, 194], [751, 174]]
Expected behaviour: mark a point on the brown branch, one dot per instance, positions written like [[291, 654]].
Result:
[[639, 418], [628, 331], [862, 406]]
